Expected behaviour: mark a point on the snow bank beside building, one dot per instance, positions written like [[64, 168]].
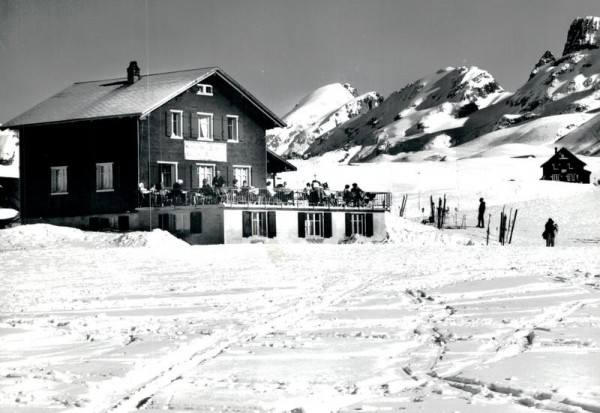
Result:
[[27, 237]]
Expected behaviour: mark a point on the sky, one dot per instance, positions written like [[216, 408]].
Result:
[[280, 50]]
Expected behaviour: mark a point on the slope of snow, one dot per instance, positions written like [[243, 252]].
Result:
[[427, 320]]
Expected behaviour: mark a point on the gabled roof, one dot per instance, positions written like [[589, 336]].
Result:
[[115, 98], [565, 152]]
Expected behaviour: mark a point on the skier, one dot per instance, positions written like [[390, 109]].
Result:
[[480, 223], [549, 233]]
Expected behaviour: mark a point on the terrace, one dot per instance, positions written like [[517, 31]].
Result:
[[265, 198]]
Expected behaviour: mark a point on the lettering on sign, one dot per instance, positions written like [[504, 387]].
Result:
[[205, 151]]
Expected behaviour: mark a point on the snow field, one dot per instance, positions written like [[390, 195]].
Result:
[[425, 320]]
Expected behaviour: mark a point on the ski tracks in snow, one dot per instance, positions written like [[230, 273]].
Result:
[[188, 358]]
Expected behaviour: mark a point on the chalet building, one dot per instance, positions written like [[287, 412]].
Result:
[[85, 151], [566, 167]]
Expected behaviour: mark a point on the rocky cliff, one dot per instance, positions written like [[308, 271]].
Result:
[[583, 34]]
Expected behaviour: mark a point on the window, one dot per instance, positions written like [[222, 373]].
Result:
[[58, 180], [167, 173], [555, 166], [104, 177], [260, 224], [359, 224], [232, 128], [176, 123], [313, 225], [205, 125], [243, 175], [556, 177], [204, 90], [205, 172]]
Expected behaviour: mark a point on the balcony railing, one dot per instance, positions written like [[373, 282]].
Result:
[[268, 197]]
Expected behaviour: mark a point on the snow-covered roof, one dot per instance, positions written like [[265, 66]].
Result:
[[116, 98]]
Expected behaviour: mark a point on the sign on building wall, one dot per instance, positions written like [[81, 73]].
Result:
[[205, 151]]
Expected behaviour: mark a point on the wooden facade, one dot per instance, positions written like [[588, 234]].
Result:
[[566, 167], [83, 153]]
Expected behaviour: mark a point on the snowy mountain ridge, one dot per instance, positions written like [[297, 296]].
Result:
[[319, 112], [436, 116]]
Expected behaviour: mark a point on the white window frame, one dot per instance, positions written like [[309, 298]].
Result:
[[241, 181], [259, 223], [66, 181], [204, 89], [204, 115], [111, 187], [237, 128], [358, 224], [310, 225], [205, 165], [175, 178], [179, 126]]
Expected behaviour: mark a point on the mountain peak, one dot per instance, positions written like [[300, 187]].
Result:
[[584, 33]]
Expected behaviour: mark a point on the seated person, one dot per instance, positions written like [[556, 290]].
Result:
[[177, 192], [207, 190]]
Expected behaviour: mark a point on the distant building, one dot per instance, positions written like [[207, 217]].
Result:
[[566, 167], [85, 151]]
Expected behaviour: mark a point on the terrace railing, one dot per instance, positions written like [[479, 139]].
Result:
[[268, 197]]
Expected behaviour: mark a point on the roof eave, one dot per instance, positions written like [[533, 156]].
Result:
[[21, 125]]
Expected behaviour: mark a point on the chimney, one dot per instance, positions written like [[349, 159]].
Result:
[[555, 150], [132, 71]]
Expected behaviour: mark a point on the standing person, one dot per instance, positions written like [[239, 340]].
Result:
[[218, 182], [550, 230], [357, 194], [480, 223]]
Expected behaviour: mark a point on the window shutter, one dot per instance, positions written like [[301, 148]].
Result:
[[271, 224], [187, 124], [168, 124], [194, 125], [195, 178], [217, 129], [246, 224], [240, 129], [348, 224], [327, 230], [163, 221], [369, 225], [301, 223], [196, 222]]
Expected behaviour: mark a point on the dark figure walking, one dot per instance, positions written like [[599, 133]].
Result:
[[480, 223], [550, 231]]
